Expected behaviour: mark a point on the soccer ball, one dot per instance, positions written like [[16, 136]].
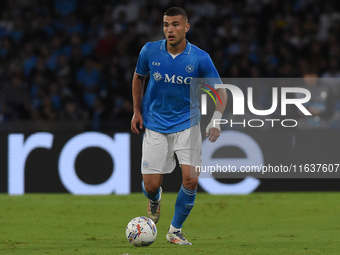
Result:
[[141, 231]]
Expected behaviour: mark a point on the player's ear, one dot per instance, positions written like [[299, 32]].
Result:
[[187, 27]]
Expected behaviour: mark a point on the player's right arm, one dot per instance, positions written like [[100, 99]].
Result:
[[137, 95], [138, 81]]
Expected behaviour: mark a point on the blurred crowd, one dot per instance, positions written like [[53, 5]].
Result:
[[74, 59]]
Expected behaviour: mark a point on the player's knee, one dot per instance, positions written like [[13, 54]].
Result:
[[151, 187], [190, 183]]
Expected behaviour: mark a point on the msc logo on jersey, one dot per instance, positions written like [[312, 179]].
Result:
[[173, 79], [157, 76], [189, 68]]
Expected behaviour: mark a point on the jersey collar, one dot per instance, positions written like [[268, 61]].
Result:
[[186, 50]]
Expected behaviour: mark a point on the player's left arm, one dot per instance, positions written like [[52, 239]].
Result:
[[213, 129]]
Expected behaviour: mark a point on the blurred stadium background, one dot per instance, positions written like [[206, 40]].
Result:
[[66, 68]]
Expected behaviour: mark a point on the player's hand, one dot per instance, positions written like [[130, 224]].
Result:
[[213, 134], [213, 130], [136, 119]]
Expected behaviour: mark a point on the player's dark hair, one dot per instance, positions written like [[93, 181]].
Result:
[[175, 11]]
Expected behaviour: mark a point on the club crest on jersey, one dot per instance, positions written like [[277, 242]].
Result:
[[189, 68]]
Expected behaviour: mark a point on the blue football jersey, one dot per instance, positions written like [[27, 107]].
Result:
[[170, 103]]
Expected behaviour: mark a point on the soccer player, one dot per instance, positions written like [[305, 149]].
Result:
[[171, 117]]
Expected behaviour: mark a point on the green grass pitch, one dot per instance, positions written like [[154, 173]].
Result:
[[259, 223]]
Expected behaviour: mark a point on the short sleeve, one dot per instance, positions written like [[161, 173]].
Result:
[[209, 72], [142, 67]]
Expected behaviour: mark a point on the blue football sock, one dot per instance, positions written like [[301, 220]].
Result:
[[184, 203], [154, 197]]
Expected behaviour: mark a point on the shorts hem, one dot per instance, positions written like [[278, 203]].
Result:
[[156, 172], [190, 164]]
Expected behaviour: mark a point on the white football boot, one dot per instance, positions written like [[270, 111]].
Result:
[[177, 238], [154, 208]]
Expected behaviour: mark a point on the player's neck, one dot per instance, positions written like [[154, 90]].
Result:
[[176, 48]]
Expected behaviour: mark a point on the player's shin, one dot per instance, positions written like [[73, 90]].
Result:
[[184, 203]]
